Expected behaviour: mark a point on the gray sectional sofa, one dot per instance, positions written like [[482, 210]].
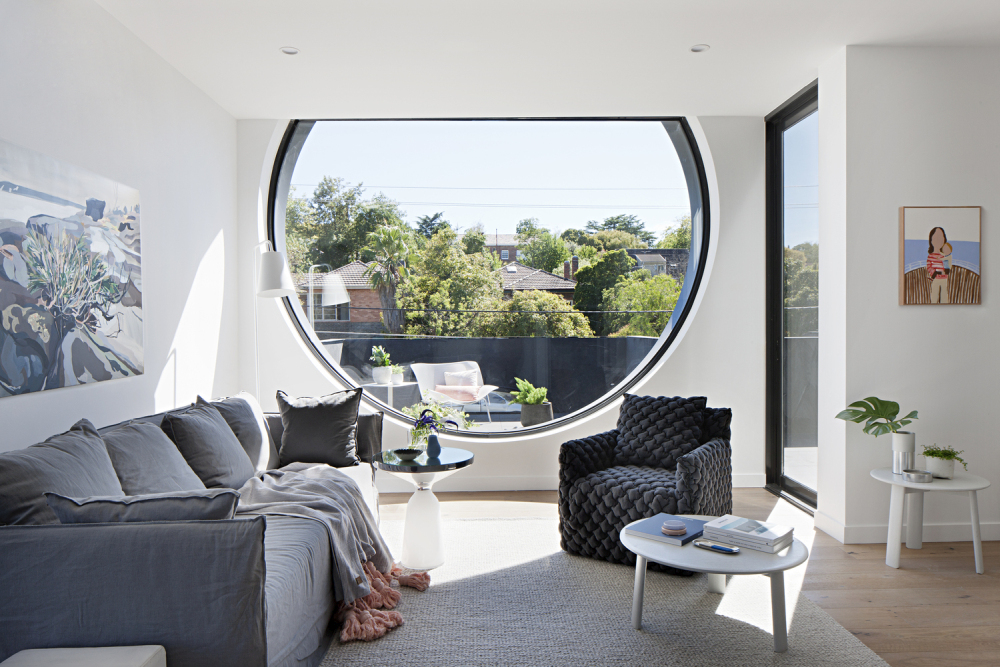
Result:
[[245, 592]]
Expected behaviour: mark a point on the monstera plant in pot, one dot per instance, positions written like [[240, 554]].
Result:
[[879, 418]]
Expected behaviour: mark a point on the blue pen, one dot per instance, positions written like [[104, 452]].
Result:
[[715, 546]]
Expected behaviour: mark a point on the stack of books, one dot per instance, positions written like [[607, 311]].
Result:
[[749, 534], [652, 529]]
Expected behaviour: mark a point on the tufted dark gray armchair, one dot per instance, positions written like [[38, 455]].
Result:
[[668, 454]]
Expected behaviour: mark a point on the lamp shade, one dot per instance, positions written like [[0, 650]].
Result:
[[334, 290], [274, 281]]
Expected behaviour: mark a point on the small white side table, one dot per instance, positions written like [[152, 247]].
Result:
[[717, 566], [914, 493]]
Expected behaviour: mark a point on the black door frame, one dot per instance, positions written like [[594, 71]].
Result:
[[800, 105]]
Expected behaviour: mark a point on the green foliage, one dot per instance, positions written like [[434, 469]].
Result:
[[577, 236], [545, 251], [301, 233], [593, 280], [388, 245], [527, 229], [443, 277], [614, 239], [527, 394], [474, 240], [677, 237], [879, 416], [948, 453], [626, 223], [635, 293], [529, 314], [802, 289], [74, 283], [380, 357], [429, 225], [397, 370], [441, 413]]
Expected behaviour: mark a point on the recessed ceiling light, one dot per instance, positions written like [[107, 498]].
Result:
[[698, 48], [291, 50]]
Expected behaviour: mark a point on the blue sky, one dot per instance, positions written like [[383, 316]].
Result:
[[801, 181], [497, 172]]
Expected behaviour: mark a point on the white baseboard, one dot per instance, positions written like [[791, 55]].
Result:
[[933, 532], [749, 480], [830, 526]]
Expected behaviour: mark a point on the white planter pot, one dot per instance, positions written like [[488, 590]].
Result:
[[904, 446], [397, 378], [940, 468], [382, 374]]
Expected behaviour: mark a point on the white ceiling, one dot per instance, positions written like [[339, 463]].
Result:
[[408, 58]]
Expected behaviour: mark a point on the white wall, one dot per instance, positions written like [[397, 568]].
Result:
[[721, 354], [78, 86], [914, 127]]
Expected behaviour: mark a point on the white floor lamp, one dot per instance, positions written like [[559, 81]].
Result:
[[273, 281]]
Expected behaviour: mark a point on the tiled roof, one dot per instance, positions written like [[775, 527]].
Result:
[[525, 278], [353, 275]]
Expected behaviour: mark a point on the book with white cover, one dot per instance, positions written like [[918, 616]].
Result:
[[748, 544], [759, 532]]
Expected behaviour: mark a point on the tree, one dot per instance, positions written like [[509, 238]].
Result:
[[801, 289], [527, 229], [641, 293], [616, 240], [545, 251], [474, 240], [623, 222], [388, 244], [443, 280], [679, 236], [577, 236], [301, 232], [593, 280], [539, 314], [428, 225]]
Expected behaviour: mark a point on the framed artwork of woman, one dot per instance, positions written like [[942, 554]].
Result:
[[939, 255]]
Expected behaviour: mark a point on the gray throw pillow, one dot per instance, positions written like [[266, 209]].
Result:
[[204, 505], [244, 416], [320, 430], [147, 461], [209, 446], [74, 463], [369, 436]]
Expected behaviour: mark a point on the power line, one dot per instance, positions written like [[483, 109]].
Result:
[[634, 207], [442, 187]]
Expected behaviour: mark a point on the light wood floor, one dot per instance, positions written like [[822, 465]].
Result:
[[933, 611]]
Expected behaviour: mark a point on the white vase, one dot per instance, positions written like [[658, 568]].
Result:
[[382, 374], [397, 378], [904, 445], [940, 468]]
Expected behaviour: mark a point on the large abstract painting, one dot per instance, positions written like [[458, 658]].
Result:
[[70, 275], [939, 255]]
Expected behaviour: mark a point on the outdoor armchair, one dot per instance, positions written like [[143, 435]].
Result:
[[432, 376]]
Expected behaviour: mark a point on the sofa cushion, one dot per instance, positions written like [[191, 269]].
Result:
[[147, 461], [209, 446], [368, 434], [74, 463], [204, 505], [320, 430], [657, 430], [246, 419]]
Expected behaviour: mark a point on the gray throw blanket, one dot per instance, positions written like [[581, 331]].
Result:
[[324, 494]]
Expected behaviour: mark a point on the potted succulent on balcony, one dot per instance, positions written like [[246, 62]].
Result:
[[381, 365], [535, 409], [940, 461], [880, 417], [397, 374]]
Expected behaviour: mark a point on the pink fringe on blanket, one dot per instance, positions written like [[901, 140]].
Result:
[[364, 619]]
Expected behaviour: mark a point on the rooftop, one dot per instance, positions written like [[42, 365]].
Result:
[[517, 276], [353, 275]]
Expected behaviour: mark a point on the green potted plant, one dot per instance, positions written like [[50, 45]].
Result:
[[381, 365], [429, 416], [879, 418], [940, 461], [535, 409], [397, 374]]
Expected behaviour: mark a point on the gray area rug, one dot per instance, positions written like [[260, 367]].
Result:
[[508, 595]]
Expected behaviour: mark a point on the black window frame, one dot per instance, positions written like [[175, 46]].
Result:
[[697, 183], [796, 108]]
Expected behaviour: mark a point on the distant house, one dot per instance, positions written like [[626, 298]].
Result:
[[672, 262], [518, 278], [363, 307], [504, 245]]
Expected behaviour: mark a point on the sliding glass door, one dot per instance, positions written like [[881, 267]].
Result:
[[793, 295]]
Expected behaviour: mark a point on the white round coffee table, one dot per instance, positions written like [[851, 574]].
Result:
[[717, 566], [914, 492]]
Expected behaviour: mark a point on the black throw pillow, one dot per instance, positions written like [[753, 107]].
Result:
[[74, 463], [655, 431], [320, 430], [147, 461], [209, 446]]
